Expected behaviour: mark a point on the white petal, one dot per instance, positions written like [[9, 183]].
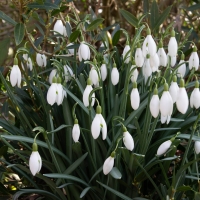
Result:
[[93, 75], [115, 76], [134, 74], [135, 98], [154, 62], [195, 98], [35, 162], [162, 57], [163, 119], [95, 127], [194, 61], [103, 72], [13, 75], [128, 141], [59, 93], [197, 147], [172, 47], [51, 94], [30, 64], [19, 77], [154, 106], [58, 27], [182, 69], [147, 71], [166, 104], [126, 54], [104, 128], [52, 74], [79, 54], [71, 51], [44, 58], [39, 59], [139, 59], [182, 101], [84, 51], [164, 147], [68, 73], [173, 90], [152, 48], [76, 132], [108, 165], [86, 94]]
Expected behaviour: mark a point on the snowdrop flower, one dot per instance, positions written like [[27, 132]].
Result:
[[114, 75], [172, 45], [86, 94], [52, 74], [76, 131], [108, 164], [162, 55], [147, 70], [127, 139], [154, 62], [173, 89], [35, 161], [55, 92], [166, 105], [58, 27], [126, 54], [15, 74], [70, 50], [164, 147], [83, 52], [135, 97], [134, 73], [139, 58], [182, 101], [28, 62], [197, 147], [194, 59], [41, 60], [149, 45], [68, 73], [155, 104], [99, 124], [103, 72], [93, 75], [195, 96], [171, 60], [182, 68]]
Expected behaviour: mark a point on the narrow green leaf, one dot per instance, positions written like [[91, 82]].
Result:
[[68, 29], [129, 17], [154, 14], [46, 6], [162, 17], [4, 45], [19, 33], [194, 7], [116, 38], [183, 188], [74, 36], [84, 192], [95, 24], [59, 128], [7, 18], [145, 6]]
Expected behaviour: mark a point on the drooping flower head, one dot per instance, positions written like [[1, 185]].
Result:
[[146, 69], [27, 61], [128, 139], [76, 131], [155, 104], [94, 77], [83, 52], [15, 74], [86, 94], [195, 96], [134, 73], [41, 60], [35, 161], [99, 124], [114, 75], [172, 45], [182, 68], [126, 54], [135, 97], [103, 71], [194, 59], [174, 89], [139, 58], [109, 163], [58, 27], [162, 55]]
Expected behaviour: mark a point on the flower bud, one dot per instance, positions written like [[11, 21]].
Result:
[[135, 97], [164, 147], [83, 52], [197, 147], [108, 165], [154, 104], [15, 76], [126, 54], [103, 72], [86, 94], [114, 75], [76, 131], [128, 140]]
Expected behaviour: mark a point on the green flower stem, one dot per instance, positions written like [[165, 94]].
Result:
[[190, 76], [164, 174]]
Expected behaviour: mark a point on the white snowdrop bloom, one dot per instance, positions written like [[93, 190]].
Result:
[[99, 124], [149, 45], [182, 101], [126, 54], [114, 75], [194, 60], [86, 94], [139, 58], [68, 73], [164, 147], [41, 60], [134, 73], [173, 89], [28, 62], [52, 74], [195, 97], [197, 147], [15, 76], [166, 105], [182, 68], [154, 62], [58, 27], [93, 75], [172, 45], [76, 131], [103, 72], [108, 165], [162, 55], [146, 69], [35, 161], [70, 50], [171, 60], [135, 97], [155, 104], [59, 94], [128, 140], [83, 52]]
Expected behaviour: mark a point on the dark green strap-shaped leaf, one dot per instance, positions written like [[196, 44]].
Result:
[[4, 45], [129, 17], [19, 33], [84, 192], [154, 14], [7, 18], [162, 17], [45, 6], [145, 6], [194, 7], [74, 35], [95, 24], [116, 38]]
